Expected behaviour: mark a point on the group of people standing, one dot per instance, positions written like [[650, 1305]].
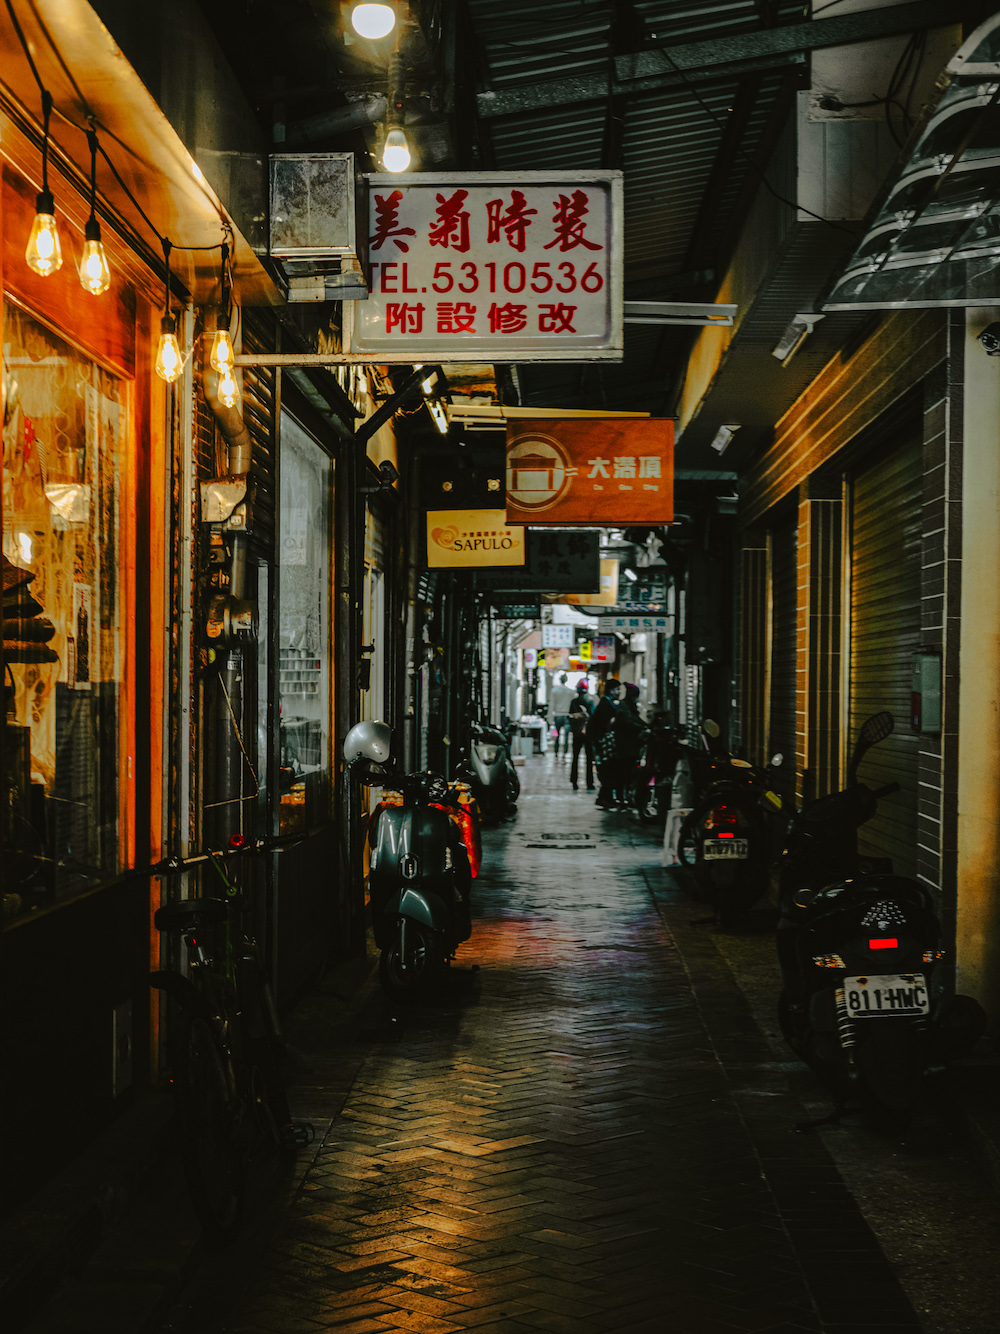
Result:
[[607, 731]]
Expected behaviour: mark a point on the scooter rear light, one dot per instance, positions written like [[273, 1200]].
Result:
[[886, 943], [828, 961], [724, 833], [721, 817]]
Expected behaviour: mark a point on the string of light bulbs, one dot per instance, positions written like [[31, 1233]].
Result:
[[43, 253]]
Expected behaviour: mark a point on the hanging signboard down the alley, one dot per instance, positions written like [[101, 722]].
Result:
[[611, 472], [492, 266]]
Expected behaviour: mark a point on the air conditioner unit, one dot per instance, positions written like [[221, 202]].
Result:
[[319, 227]]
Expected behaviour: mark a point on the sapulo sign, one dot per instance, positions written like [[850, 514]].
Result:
[[611, 472], [472, 539], [493, 266]]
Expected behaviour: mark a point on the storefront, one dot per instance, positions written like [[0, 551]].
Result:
[[82, 544]]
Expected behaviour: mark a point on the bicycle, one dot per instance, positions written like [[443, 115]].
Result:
[[225, 1050]]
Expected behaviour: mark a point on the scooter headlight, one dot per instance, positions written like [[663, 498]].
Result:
[[487, 754]]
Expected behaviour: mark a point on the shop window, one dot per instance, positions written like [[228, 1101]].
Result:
[[63, 428], [304, 629]]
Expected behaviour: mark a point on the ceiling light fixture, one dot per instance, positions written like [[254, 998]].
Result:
[[169, 362], [396, 153], [795, 335], [223, 354], [95, 276], [724, 435], [373, 21], [43, 251]]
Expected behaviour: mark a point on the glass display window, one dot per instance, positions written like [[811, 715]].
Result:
[[304, 629], [64, 425]]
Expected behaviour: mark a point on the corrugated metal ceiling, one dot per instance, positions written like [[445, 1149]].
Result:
[[680, 206]]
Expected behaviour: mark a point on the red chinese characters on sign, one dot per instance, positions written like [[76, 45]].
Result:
[[387, 220], [452, 226], [514, 223], [603, 471], [404, 317], [570, 224], [508, 319], [455, 317]]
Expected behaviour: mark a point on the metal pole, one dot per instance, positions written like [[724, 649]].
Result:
[[186, 502]]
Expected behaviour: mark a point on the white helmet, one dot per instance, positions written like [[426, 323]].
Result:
[[369, 740]]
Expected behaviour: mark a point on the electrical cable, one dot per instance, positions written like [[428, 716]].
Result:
[[743, 152], [93, 123]]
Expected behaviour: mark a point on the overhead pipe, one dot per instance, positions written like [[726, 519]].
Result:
[[342, 120]]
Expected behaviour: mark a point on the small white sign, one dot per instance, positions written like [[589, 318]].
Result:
[[558, 636]]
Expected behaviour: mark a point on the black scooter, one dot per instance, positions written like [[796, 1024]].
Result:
[[864, 1000], [490, 772], [727, 839]]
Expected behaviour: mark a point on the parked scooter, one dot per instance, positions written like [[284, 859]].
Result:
[[860, 951], [424, 854], [490, 772], [727, 838], [654, 771]]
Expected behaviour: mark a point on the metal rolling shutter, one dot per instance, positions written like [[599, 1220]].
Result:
[[885, 632], [781, 732]]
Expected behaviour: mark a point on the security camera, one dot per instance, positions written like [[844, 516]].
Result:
[[990, 339]]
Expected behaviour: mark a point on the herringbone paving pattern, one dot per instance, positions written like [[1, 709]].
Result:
[[587, 1134]]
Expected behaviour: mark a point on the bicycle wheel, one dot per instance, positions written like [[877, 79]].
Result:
[[260, 1053], [208, 1125]]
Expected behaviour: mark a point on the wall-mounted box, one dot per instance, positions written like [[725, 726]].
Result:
[[925, 697], [318, 225]]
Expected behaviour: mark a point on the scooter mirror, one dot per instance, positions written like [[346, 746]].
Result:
[[711, 728], [876, 728], [873, 729]]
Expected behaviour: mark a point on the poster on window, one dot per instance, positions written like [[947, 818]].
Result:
[[493, 266], [611, 472]]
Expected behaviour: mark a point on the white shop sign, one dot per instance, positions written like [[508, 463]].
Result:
[[663, 625], [493, 266]]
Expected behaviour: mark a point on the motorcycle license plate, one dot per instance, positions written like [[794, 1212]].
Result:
[[883, 994], [729, 849]]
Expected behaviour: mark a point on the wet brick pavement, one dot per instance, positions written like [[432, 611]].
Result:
[[589, 1133]]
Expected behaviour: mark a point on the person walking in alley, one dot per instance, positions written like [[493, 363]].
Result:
[[601, 729], [579, 716], [628, 746], [562, 697]]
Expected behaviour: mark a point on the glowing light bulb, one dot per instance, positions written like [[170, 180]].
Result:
[[396, 153], [222, 351], [43, 252], [169, 362], [95, 276], [373, 21], [229, 390]]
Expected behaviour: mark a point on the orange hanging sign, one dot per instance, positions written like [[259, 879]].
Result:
[[609, 472]]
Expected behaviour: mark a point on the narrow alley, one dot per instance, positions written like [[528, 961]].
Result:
[[591, 1132]]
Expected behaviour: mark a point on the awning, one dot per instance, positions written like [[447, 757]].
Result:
[[935, 240]]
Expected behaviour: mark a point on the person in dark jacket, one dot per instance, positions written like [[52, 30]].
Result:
[[629, 728], [579, 717], [601, 730]]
